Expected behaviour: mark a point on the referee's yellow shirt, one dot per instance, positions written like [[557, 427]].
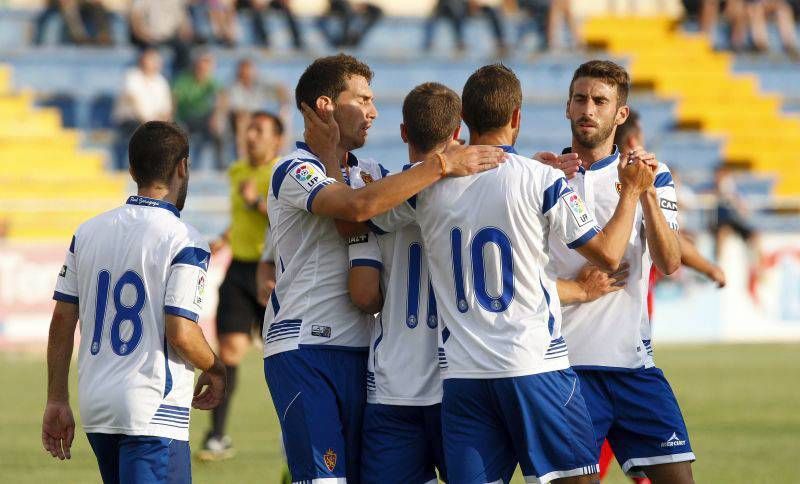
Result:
[[248, 224]]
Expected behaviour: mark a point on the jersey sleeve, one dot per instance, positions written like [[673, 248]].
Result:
[[67, 282], [364, 251], [566, 212], [187, 281], [667, 197], [268, 253], [298, 181]]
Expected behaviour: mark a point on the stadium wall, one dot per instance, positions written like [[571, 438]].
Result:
[[687, 308]]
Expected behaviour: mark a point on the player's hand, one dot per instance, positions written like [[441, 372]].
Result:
[[58, 429], [469, 160], [597, 283], [636, 175], [569, 163], [717, 275], [321, 132], [210, 388]]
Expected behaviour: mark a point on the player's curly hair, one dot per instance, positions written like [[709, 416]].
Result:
[[327, 76], [154, 151], [431, 114], [609, 72]]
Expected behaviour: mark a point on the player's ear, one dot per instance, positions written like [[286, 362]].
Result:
[[403, 133], [622, 114], [322, 103], [516, 118], [183, 168], [566, 111]]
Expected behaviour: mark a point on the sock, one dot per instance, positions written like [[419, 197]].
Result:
[[219, 415]]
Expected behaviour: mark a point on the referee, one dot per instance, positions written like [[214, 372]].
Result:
[[240, 308]]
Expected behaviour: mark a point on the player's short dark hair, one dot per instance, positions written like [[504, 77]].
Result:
[[277, 124], [431, 114], [489, 98], [327, 76], [155, 150], [609, 72], [627, 129]]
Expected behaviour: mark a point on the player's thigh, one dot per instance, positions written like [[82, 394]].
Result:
[[477, 446], [649, 428], [106, 450], [549, 425], [599, 404], [675, 473], [395, 446], [154, 460], [233, 347], [308, 412]]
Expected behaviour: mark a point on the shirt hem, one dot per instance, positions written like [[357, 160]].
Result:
[[405, 402], [177, 434], [486, 375]]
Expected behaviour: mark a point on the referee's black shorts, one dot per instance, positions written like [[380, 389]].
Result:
[[238, 310]]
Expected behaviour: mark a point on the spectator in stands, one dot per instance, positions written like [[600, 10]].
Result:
[[354, 21], [708, 14], [757, 13], [199, 107], [249, 93], [732, 215], [547, 17], [491, 9], [157, 23], [454, 12], [457, 11], [260, 10], [85, 21], [145, 97], [222, 17]]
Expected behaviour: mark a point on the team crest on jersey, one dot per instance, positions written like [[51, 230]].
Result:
[[577, 208], [200, 291], [366, 177], [618, 186], [329, 458], [307, 176], [63, 271]]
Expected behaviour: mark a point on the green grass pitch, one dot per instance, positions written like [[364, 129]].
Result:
[[741, 404]]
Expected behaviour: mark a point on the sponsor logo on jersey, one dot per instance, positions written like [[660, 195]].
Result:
[[321, 331], [618, 186], [358, 239], [329, 458], [669, 205], [200, 291], [366, 177], [63, 271], [577, 208], [307, 176], [673, 441]]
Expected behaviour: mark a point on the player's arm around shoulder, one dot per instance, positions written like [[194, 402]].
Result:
[[660, 209]]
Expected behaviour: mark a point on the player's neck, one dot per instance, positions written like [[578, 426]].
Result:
[[416, 155], [157, 192], [589, 155], [500, 137]]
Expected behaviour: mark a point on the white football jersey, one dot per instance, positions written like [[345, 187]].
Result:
[[402, 367], [486, 238], [310, 305], [612, 332], [125, 269]]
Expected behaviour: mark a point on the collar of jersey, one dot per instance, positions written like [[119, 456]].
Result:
[[153, 202], [351, 158], [508, 149], [599, 164]]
